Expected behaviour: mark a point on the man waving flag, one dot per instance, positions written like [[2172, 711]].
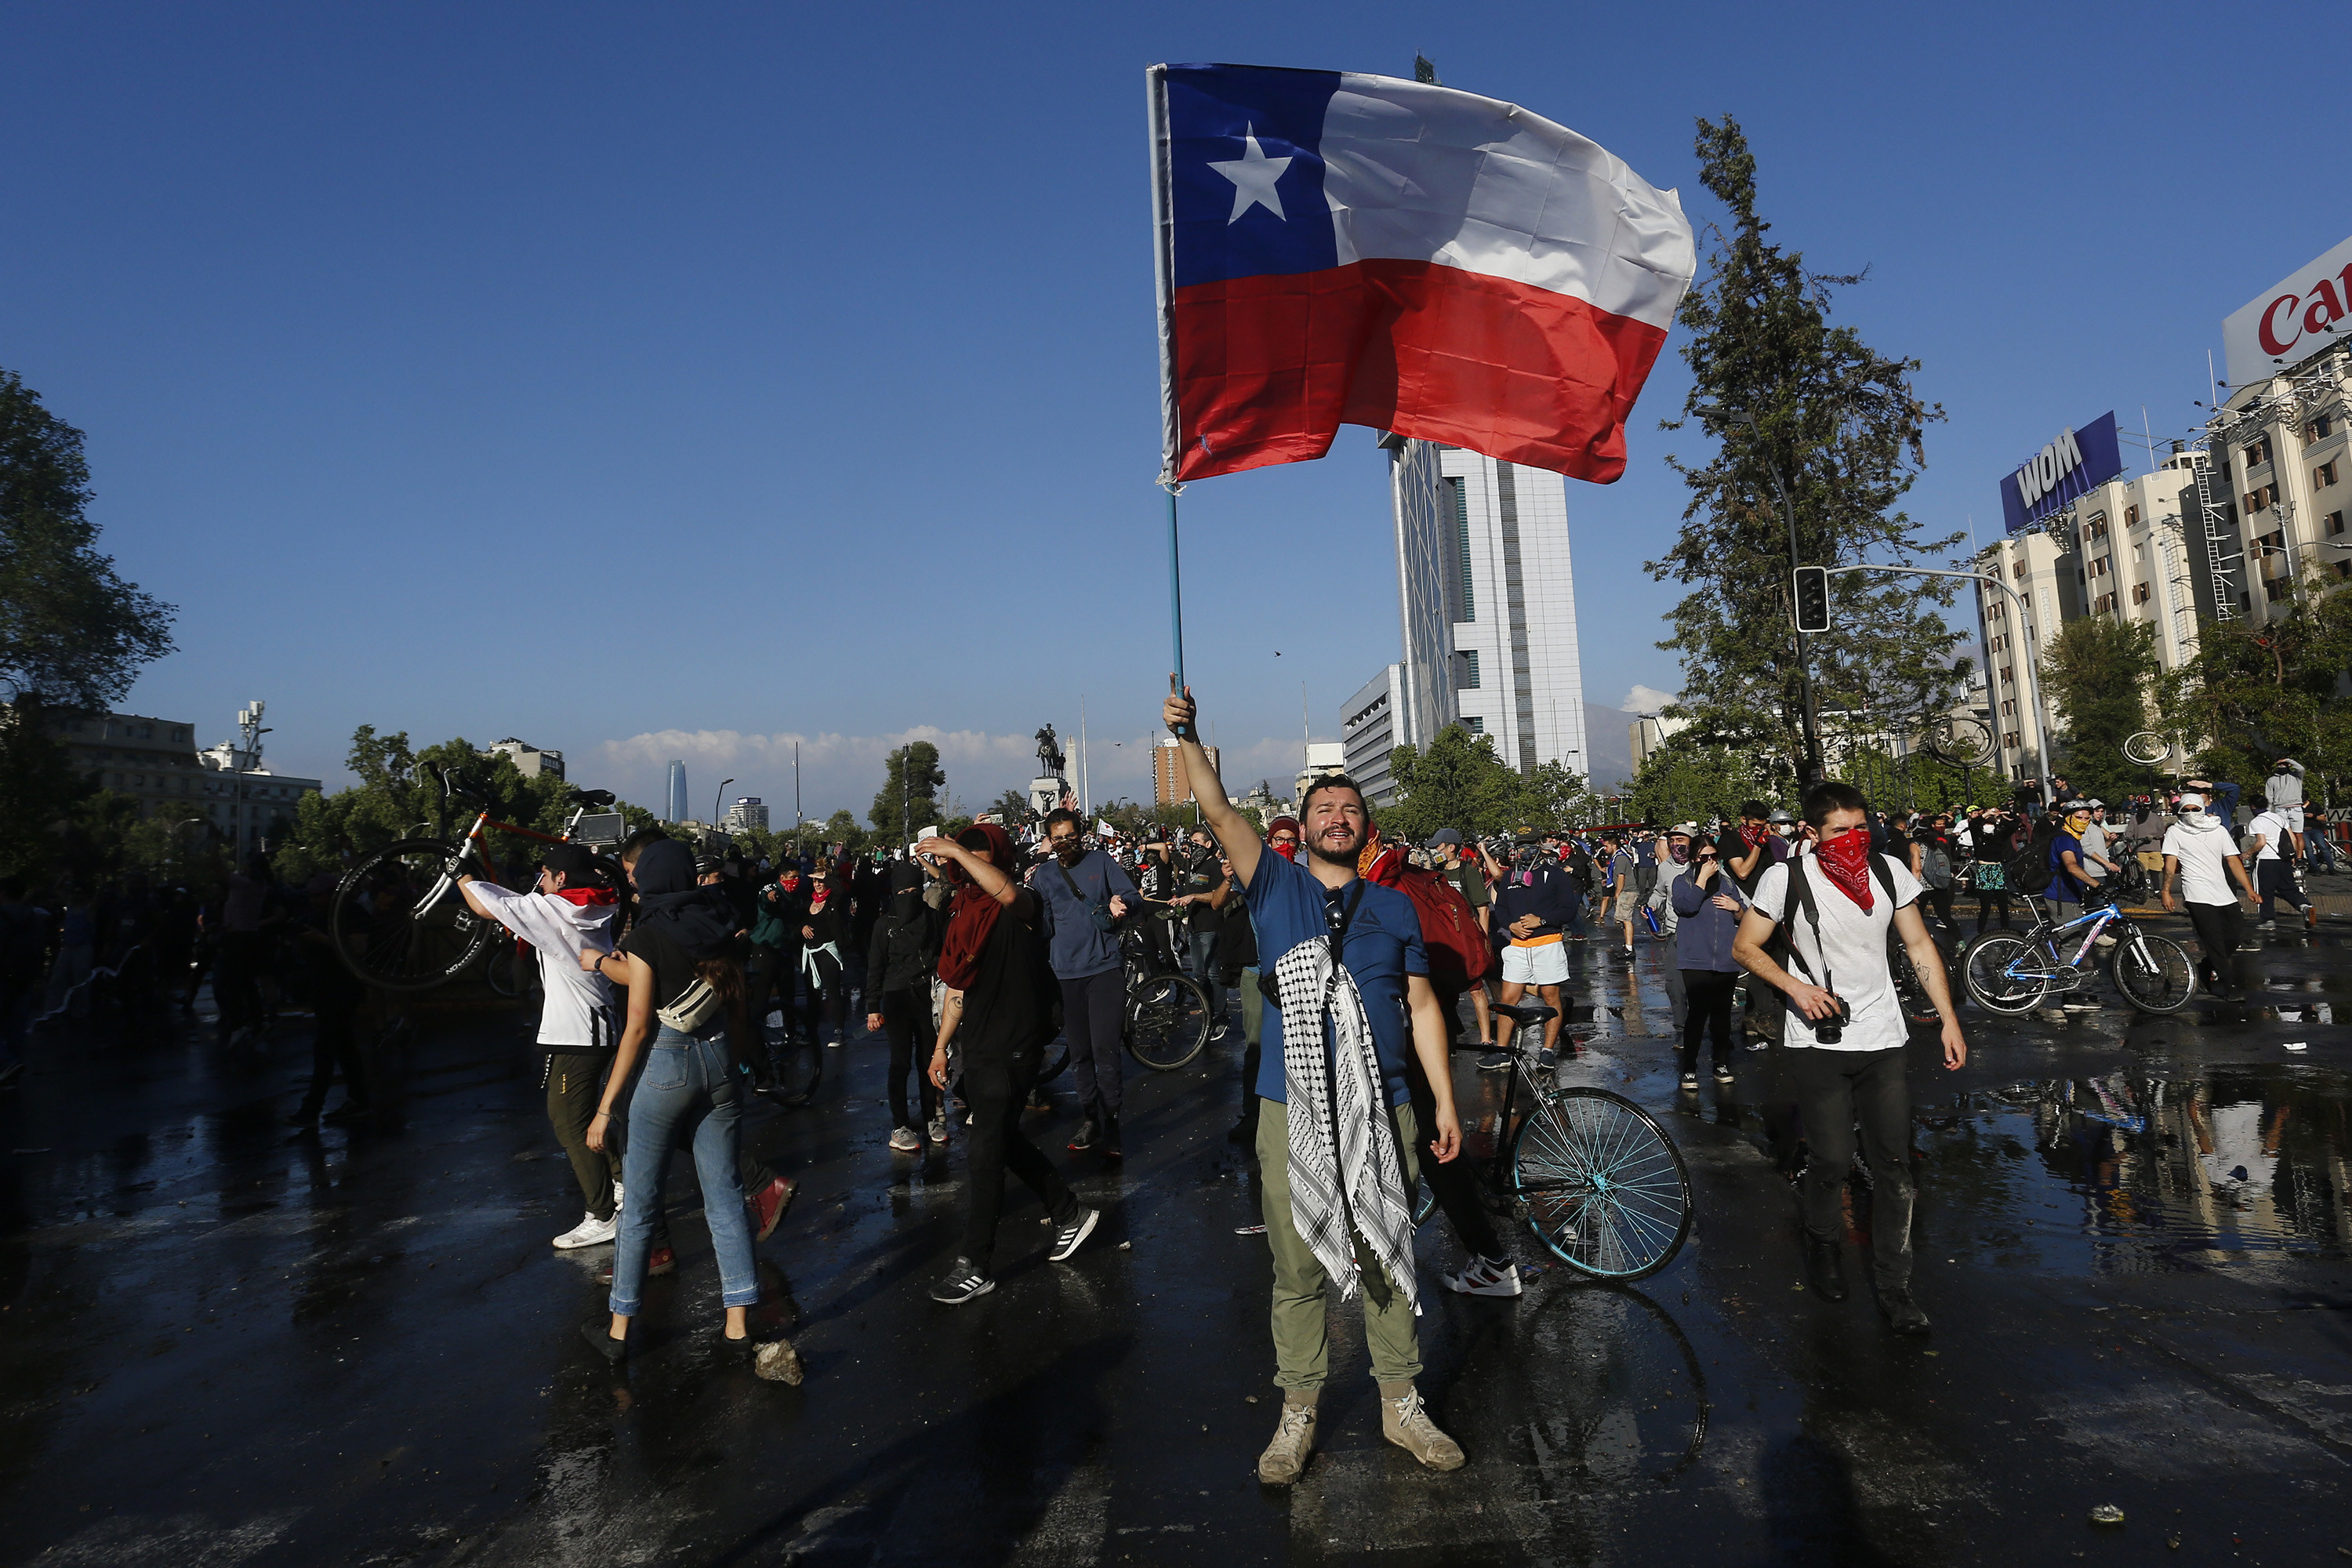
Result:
[[1335, 248]]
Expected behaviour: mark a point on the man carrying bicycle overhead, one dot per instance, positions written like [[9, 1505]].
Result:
[[1337, 1141], [1845, 1034], [569, 913]]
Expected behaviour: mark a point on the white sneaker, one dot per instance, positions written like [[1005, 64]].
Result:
[[1482, 1279], [616, 1199], [590, 1232], [905, 1140]]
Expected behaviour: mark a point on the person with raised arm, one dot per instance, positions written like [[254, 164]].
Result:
[[1337, 1145]]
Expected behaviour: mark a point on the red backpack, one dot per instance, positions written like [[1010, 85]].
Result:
[[1458, 954]]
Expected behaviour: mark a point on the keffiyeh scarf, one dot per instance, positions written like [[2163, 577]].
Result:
[[1362, 1178]]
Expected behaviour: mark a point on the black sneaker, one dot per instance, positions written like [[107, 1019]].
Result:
[[1086, 1136], [962, 1283], [1547, 1060], [1068, 1238], [1903, 1314], [1495, 1061]]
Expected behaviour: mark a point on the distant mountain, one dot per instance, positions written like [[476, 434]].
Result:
[[1607, 736]]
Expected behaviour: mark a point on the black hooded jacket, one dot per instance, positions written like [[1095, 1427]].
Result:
[[905, 948]]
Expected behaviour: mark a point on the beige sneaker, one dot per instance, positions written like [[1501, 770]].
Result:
[[1404, 1423], [1285, 1459]]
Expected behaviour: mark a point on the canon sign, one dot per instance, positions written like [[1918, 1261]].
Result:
[[2077, 463], [2290, 320]]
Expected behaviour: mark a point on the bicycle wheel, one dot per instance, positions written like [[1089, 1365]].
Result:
[[2152, 973], [798, 1067], [1991, 958], [1167, 1021], [401, 921], [501, 971], [1917, 1005], [1605, 1187]]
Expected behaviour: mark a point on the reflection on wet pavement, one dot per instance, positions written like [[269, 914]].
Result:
[[224, 1345]]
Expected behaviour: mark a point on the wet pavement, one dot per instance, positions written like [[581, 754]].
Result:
[[223, 1341]]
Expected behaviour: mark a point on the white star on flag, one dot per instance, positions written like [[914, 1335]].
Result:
[[1254, 175]]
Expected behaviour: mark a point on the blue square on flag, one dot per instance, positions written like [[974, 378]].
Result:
[[1246, 172]]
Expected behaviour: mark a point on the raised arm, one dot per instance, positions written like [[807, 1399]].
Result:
[[1243, 845]]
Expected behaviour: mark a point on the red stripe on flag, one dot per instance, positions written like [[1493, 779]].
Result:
[[1267, 369]]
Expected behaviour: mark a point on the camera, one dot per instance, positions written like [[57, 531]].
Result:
[[1830, 1030]]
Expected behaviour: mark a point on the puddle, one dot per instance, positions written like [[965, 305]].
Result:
[[2134, 1174]]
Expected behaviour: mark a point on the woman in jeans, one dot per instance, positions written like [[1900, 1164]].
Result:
[[687, 1088], [1707, 904]]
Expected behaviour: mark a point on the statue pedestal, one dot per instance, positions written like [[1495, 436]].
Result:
[[1045, 794]]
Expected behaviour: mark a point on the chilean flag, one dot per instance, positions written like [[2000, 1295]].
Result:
[[1335, 248]]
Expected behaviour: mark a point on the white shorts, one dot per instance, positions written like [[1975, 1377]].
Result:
[[2294, 815], [1542, 966]]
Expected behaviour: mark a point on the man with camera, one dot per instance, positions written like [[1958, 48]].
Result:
[[1845, 1034]]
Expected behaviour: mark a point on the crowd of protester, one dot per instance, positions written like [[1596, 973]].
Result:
[[675, 978]]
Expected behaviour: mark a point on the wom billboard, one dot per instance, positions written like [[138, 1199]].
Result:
[[2073, 466], [2289, 320]]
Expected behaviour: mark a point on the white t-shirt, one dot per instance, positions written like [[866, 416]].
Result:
[[2272, 826], [2203, 854], [578, 1016], [1854, 945]]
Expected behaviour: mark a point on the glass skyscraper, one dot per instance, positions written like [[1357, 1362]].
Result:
[[678, 811]]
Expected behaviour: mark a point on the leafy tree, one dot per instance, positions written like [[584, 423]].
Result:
[[400, 795], [911, 776], [1689, 779], [1841, 424], [73, 635], [1460, 783], [2097, 672], [2258, 691], [1011, 807]]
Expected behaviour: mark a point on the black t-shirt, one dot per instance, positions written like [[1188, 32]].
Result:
[[1009, 1006], [1206, 877], [673, 967]]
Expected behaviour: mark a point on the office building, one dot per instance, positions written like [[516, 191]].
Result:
[[1368, 734], [2122, 550], [1647, 733], [677, 799], [530, 760], [747, 815], [152, 761], [1487, 593], [1324, 757], [1170, 786]]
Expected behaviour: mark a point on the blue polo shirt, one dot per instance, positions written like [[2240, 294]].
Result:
[[1075, 946], [1288, 906]]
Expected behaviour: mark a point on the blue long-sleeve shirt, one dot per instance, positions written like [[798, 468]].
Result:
[[1703, 933]]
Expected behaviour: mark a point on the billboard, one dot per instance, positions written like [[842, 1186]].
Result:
[[2073, 466], [2288, 320]]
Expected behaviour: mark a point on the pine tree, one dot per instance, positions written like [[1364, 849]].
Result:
[[1842, 427]]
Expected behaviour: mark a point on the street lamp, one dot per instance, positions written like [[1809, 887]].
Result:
[[716, 815]]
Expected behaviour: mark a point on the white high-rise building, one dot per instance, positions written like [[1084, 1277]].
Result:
[[1487, 596], [748, 813]]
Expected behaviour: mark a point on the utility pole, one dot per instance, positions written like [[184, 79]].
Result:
[[1086, 796], [796, 789]]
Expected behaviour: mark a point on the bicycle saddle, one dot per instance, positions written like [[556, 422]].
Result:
[[592, 797], [1525, 1014]]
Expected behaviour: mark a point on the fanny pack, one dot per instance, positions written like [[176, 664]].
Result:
[[1105, 921], [691, 1009]]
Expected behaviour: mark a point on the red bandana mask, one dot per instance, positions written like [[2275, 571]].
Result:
[[587, 898], [1846, 860]]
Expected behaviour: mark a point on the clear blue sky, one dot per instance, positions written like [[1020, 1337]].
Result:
[[586, 373]]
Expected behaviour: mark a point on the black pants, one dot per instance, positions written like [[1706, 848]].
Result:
[[1454, 1184], [1836, 1090], [236, 980], [2275, 880], [1090, 1022], [1989, 901], [1940, 901], [575, 1083], [334, 1044], [2219, 929], [906, 1014], [994, 1087], [827, 996], [1708, 994]]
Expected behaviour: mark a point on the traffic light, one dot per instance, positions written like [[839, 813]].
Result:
[[1813, 599]]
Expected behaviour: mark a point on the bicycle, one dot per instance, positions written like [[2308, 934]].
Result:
[[1594, 1175], [418, 931], [2012, 972], [1164, 1018]]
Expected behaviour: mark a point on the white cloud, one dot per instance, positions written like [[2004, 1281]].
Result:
[[1644, 700]]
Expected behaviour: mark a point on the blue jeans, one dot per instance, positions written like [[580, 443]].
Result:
[[686, 1086]]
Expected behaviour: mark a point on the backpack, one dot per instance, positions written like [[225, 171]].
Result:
[[1936, 867], [1458, 954], [2028, 871]]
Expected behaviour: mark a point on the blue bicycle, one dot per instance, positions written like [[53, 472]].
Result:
[[2012, 972]]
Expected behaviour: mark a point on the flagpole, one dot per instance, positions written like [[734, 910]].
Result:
[[1175, 584]]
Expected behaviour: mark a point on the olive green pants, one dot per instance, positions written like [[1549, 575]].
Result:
[[1302, 1334]]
